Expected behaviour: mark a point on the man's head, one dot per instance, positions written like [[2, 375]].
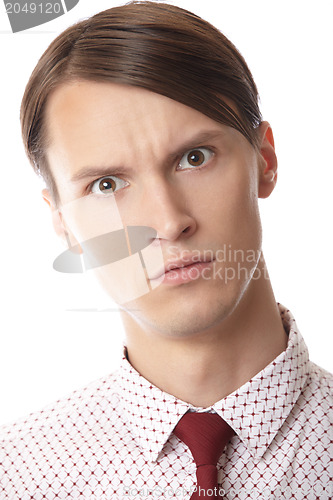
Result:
[[155, 46], [147, 116]]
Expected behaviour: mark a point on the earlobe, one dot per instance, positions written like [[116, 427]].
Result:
[[268, 161]]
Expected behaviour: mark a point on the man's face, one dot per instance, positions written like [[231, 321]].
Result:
[[155, 162]]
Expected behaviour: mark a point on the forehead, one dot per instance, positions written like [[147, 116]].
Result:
[[89, 123]]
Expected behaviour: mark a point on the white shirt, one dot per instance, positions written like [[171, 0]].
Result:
[[114, 440]]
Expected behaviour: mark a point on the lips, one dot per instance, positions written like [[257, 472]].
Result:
[[189, 260]]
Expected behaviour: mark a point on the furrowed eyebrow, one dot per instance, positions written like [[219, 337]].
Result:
[[199, 140], [102, 171], [96, 172]]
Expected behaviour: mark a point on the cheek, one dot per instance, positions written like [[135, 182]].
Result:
[[226, 202], [227, 210]]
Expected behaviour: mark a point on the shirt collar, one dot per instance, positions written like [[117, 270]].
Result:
[[256, 411], [150, 413]]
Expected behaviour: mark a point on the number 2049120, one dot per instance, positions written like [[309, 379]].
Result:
[[33, 8]]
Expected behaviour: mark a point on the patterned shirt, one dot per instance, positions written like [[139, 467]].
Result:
[[114, 440]]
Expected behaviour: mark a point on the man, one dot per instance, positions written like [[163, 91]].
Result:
[[144, 122]]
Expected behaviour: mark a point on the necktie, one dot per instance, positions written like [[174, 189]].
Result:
[[206, 435]]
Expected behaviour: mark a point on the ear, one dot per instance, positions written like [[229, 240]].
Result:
[[59, 223], [267, 161]]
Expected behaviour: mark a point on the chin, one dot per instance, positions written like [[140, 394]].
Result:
[[183, 314]]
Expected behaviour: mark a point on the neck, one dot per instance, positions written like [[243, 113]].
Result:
[[202, 369]]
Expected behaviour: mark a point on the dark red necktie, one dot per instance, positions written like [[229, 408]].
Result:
[[206, 434]]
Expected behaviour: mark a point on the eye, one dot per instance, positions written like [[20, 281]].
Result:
[[108, 185], [195, 158]]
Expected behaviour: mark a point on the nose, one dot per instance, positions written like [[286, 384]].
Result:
[[166, 209]]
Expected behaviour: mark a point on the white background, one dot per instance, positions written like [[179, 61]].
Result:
[[46, 348]]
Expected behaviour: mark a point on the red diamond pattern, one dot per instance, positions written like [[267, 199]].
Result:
[[113, 439]]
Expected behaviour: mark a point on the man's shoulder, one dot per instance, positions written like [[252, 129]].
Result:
[[78, 408]]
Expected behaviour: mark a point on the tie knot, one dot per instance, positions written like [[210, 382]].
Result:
[[206, 434]]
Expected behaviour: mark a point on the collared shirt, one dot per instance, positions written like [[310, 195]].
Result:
[[114, 440]]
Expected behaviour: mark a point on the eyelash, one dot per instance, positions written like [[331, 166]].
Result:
[[185, 155]]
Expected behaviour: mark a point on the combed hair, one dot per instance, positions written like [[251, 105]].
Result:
[[152, 45]]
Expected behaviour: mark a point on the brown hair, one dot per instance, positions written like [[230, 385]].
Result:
[[156, 46]]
